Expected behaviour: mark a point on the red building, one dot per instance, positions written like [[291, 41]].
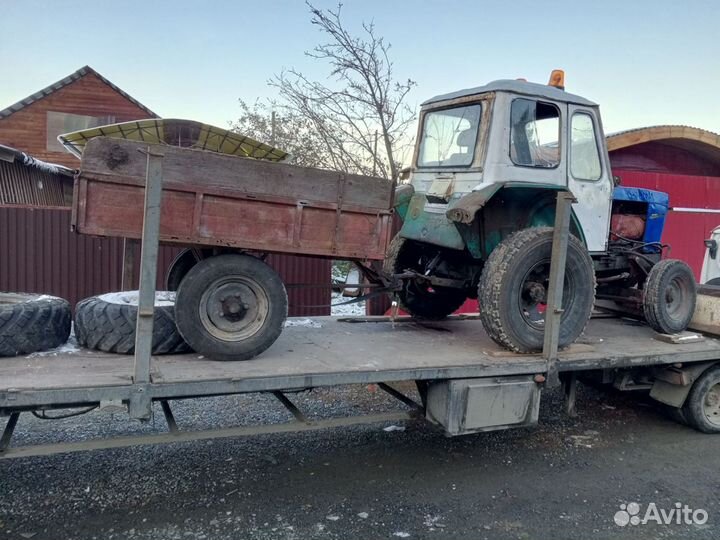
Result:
[[39, 253], [683, 162]]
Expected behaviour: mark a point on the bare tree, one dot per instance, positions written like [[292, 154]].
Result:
[[284, 128], [363, 118]]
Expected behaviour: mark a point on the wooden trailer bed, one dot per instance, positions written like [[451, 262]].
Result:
[[221, 200]]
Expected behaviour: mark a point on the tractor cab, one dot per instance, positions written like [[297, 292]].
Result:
[[515, 141]]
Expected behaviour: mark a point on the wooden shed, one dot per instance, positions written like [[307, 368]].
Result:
[[38, 252]]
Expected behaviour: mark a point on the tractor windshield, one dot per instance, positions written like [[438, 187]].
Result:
[[448, 137]]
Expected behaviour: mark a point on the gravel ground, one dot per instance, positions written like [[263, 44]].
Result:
[[564, 479]]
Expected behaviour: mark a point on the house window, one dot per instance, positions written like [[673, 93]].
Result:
[[60, 122]]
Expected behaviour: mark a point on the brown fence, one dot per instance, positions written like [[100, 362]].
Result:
[[39, 253]]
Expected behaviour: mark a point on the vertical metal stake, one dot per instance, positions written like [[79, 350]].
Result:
[[148, 267], [553, 314]]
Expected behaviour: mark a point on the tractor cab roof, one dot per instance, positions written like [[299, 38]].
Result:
[[516, 87]]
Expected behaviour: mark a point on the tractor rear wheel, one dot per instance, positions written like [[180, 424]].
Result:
[[513, 290], [669, 296], [418, 297]]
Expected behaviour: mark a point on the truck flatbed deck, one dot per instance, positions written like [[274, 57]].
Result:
[[335, 353]]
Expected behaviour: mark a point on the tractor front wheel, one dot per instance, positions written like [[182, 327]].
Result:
[[669, 296], [513, 290], [418, 297]]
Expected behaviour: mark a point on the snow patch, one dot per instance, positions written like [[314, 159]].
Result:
[[363, 515], [401, 534], [393, 428], [130, 298], [44, 166], [307, 323], [69, 347], [348, 310]]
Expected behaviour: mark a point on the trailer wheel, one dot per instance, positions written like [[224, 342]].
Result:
[[108, 322], [702, 406], [513, 290], [181, 265], [32, 322], [669, 296], [417, 297], [231, 307]]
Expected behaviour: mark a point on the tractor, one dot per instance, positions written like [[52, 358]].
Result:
[[478, 205]]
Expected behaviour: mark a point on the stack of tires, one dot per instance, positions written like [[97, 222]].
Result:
[[32, 323], [107, 323]]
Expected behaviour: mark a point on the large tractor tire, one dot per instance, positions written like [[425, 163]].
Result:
[[513, 290], [417, 297], [32, 322], [107, 323], [231, 307], [669, 296]]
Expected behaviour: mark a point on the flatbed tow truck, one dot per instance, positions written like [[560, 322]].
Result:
[[467, 380], [467, 383]]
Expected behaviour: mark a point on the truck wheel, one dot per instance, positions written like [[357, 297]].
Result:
[[231, 307], [702, 406], [32, 322], [417, 297], [669, 296], [513, 290], [107, 323]]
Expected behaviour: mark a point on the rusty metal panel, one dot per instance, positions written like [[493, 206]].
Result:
[[30, 186], [304, 301], [39, 253]]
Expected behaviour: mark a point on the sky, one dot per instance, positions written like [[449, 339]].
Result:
[[645, 62]]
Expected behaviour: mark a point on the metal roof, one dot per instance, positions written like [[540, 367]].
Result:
[[176, 132], [12, 155], [699, 141], [517, 87], [80, 73]]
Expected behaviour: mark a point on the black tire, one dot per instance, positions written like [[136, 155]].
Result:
[[514, 281], [231, 307], [669, 296], [418, 298], [106, 323], [702, 406], [181, 265], [676, 414], [32, 322]]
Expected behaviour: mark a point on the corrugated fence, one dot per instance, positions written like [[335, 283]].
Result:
[[39, 253]]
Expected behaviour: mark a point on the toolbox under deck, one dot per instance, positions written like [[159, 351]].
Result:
[[335, 353]]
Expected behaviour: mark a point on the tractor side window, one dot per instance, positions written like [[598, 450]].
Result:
[[449, 136], [534, 134], [584, 155]]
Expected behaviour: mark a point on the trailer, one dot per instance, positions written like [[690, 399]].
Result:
[[467, 383]]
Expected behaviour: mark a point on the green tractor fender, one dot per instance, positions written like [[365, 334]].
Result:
[[480, 220]]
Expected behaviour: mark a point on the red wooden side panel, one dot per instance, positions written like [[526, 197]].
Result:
[[695, 201], [39, 253]]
